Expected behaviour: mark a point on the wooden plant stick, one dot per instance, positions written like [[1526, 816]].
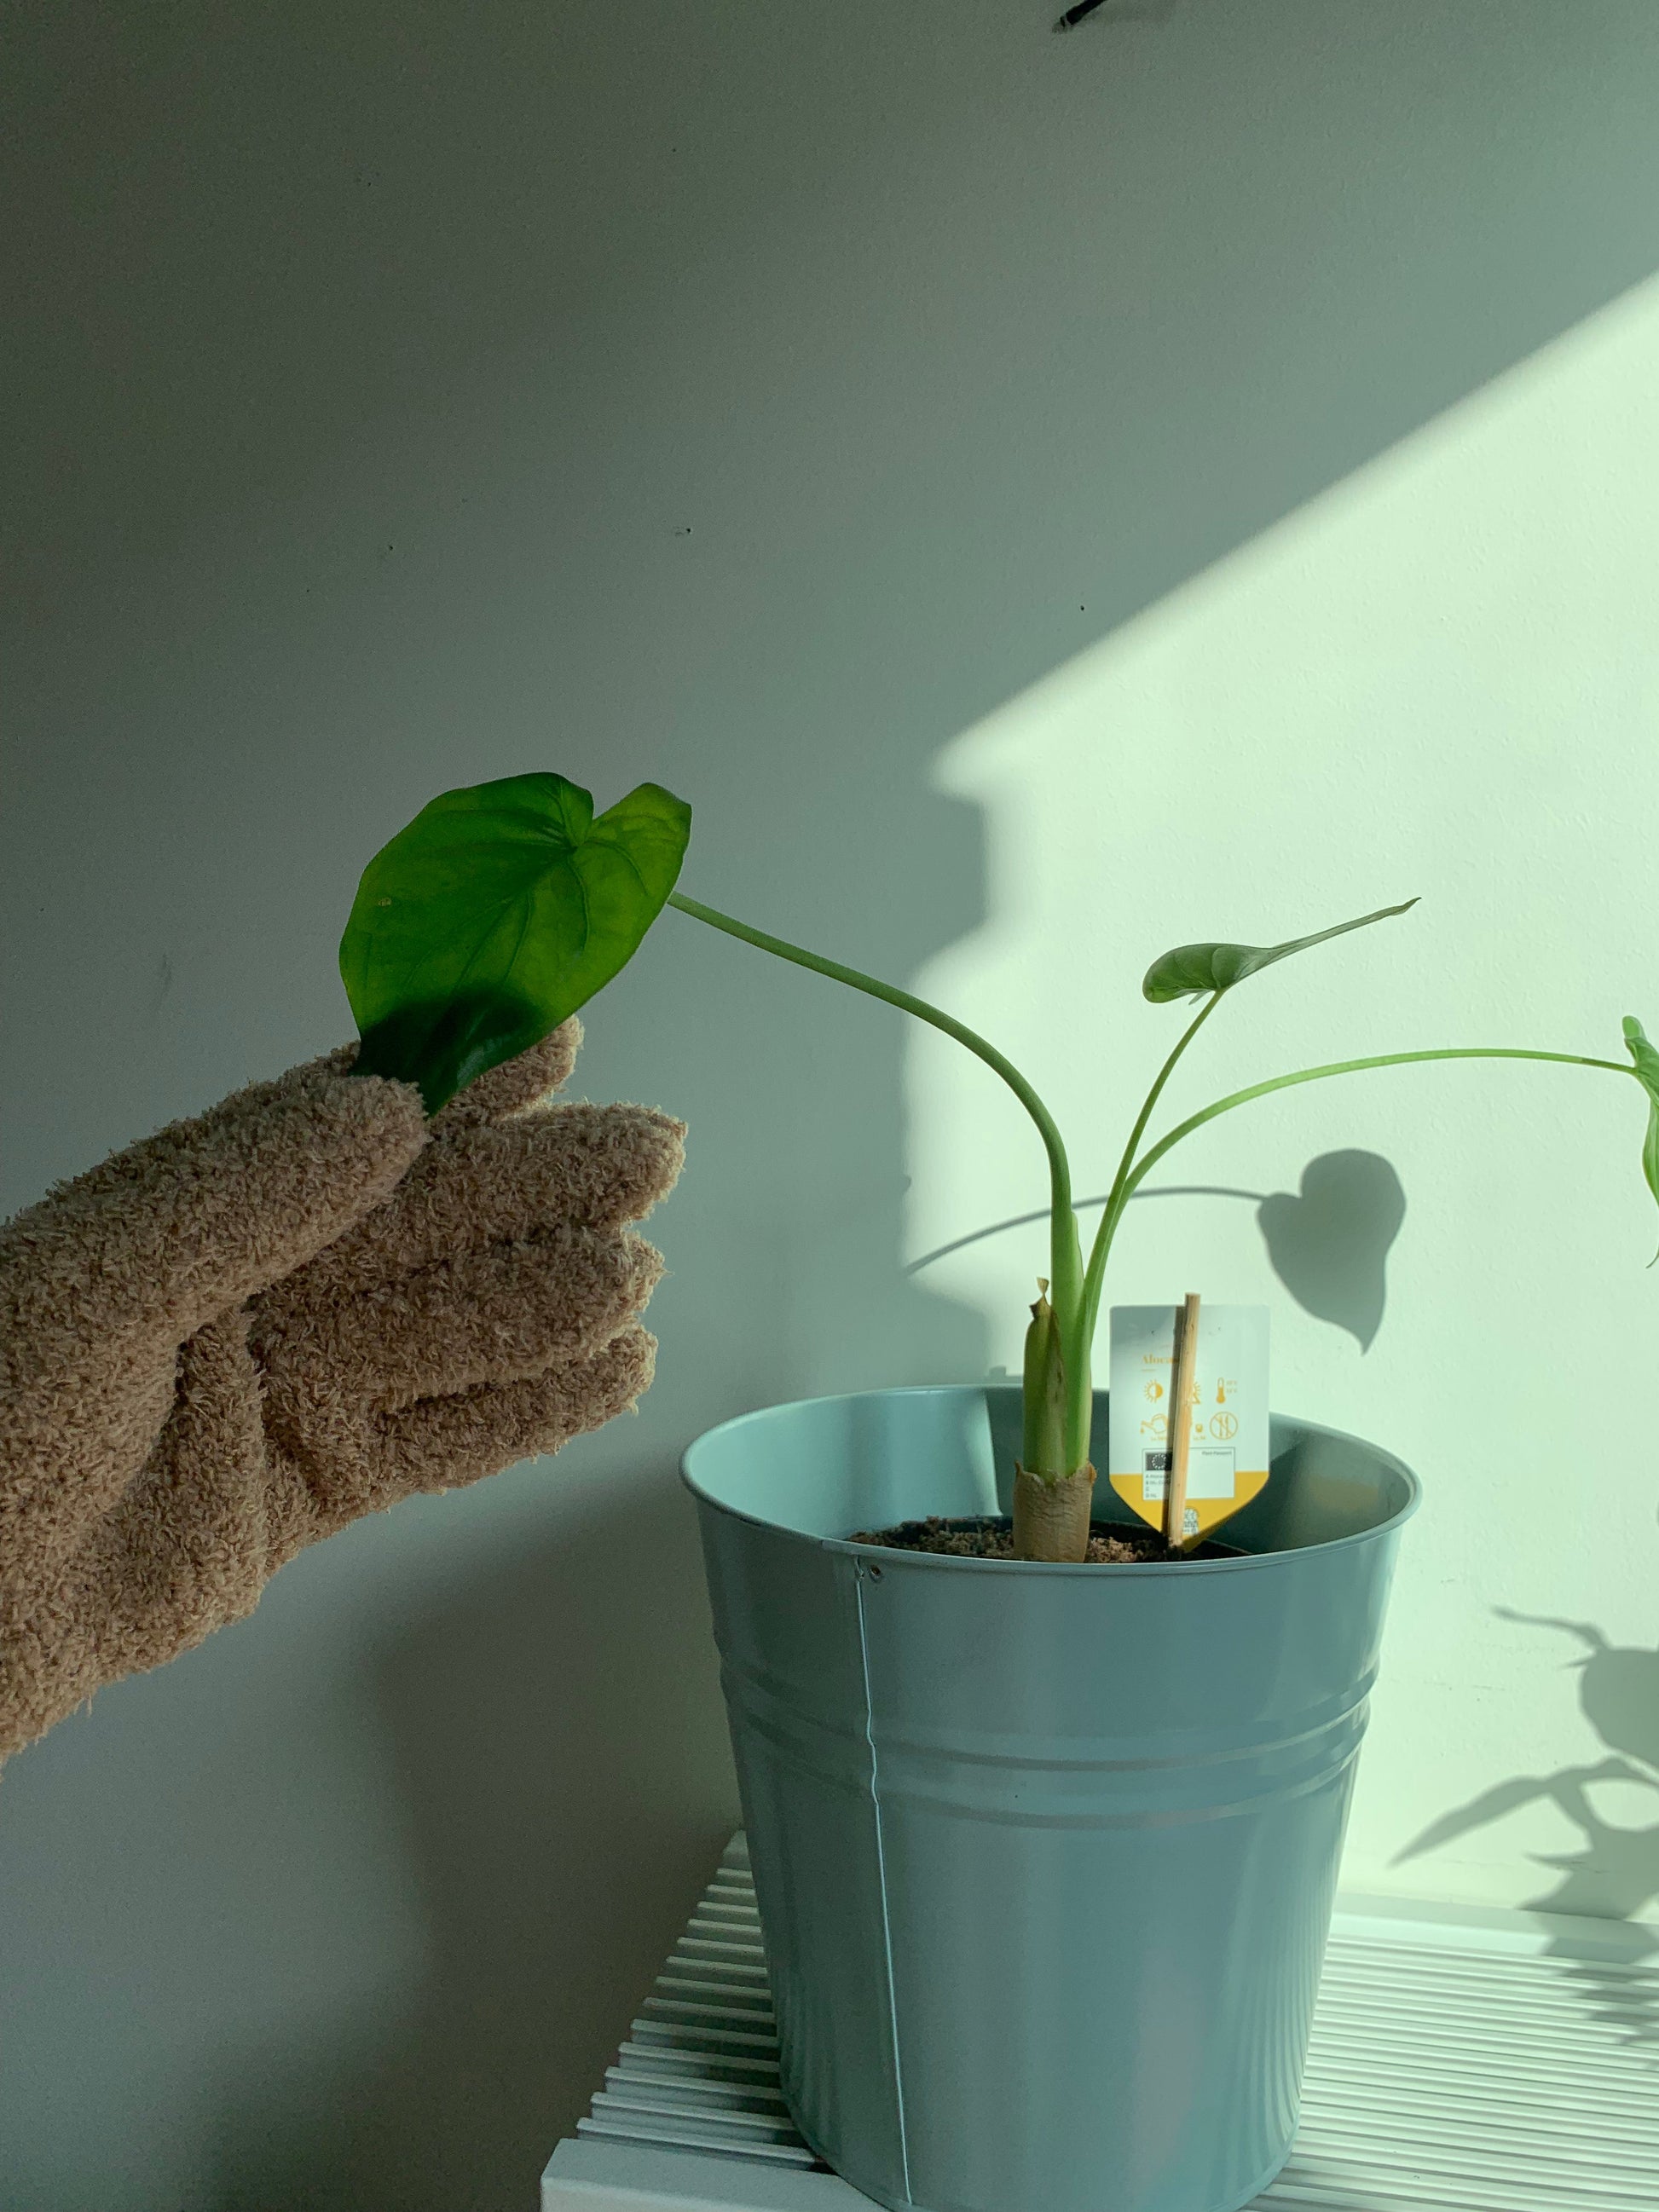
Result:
[[1181, 1423]]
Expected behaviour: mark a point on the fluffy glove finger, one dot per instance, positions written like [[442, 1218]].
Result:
[[488, 1317], [516, 1083], [492, 1096], [603, 1166], [442, 1442]]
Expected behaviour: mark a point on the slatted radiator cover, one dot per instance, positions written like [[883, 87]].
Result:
[[1460, 2061]]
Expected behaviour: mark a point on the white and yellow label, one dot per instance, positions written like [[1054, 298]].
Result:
[[1226, 1410]]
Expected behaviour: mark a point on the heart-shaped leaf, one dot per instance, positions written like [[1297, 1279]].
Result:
[[500, 910], [1194, 970], [1642, 1051]]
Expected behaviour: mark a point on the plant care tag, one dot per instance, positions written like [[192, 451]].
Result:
[[1226, 1409]]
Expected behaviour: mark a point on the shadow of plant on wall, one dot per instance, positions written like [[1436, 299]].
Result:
[[1615, 1876], [1328, 1242]]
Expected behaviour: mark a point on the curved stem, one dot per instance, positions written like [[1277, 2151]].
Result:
[[1065, 1256], [1144, 1166], [1117, 1197]]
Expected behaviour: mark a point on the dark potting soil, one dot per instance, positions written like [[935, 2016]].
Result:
[[982, 1537]]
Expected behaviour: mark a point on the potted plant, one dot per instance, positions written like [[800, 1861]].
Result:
[[1044, 1850]]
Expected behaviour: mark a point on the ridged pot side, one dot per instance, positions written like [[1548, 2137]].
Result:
[[1045, 1855]]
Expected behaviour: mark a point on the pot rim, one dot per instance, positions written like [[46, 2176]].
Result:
[[883, 1558]]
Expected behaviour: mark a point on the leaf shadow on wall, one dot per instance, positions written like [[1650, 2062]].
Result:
[[1328, 1242], [559, 1679], [1614, 1875]]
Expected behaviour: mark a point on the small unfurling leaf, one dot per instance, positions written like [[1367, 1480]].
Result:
[[1191, 970], [1045, 1391]]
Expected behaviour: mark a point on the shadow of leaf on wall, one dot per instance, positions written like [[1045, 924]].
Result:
[[1615, 1876], [1330, 1244]]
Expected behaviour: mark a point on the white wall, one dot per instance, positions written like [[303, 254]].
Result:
[[1438, 677], [858, 418]]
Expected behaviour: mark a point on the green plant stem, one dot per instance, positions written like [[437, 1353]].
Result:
[[1066, 1251], [1117, 1196], [1144, 1166]]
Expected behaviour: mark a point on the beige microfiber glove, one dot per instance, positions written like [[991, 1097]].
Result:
[[232, 1339]]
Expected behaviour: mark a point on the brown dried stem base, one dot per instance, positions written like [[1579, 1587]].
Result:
[[1051, 1518]]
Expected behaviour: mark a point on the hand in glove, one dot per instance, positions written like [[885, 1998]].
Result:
[[232, 1339]]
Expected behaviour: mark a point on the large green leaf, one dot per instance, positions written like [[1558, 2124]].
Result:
[[500, 908], [1194, 970], [1641, 1050]]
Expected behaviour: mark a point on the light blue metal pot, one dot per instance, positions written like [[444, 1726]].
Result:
[[1045, 1855]]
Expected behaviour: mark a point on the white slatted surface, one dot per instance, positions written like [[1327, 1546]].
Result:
[[1478, 2062]]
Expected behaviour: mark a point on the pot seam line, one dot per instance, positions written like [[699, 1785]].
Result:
[[881, 1877]]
